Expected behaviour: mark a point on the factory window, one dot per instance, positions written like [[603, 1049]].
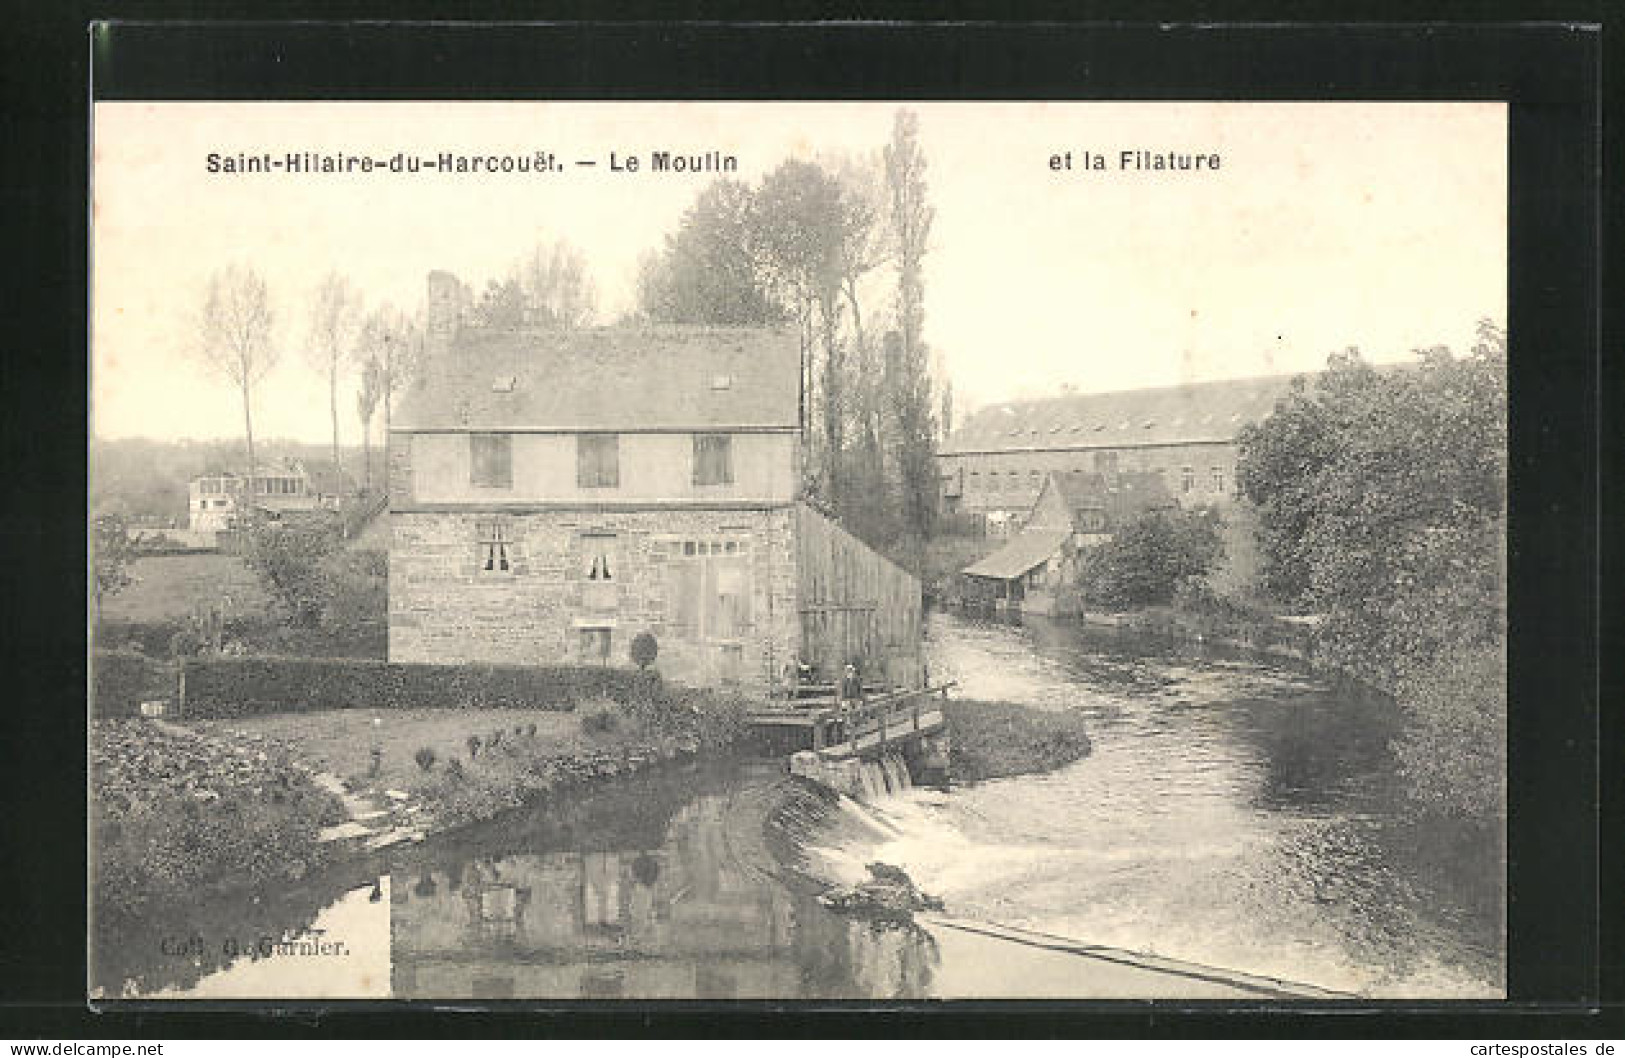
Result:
[[491, 460], [1187, 479], [598, 460]]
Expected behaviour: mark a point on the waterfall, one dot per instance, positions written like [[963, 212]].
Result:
[[884, 778]]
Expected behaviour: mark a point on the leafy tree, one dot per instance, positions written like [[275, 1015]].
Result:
[[110, 555], [366, 405], [501, 306], [234, 337], [1147, 560], [910, 223], [708, 271], [395, 341], [334, 314], [288, 557], [1382, 501]]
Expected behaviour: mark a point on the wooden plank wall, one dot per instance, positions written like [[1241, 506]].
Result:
[[855, 604]]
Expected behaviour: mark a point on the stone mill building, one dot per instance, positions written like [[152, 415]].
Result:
[[555, 493]]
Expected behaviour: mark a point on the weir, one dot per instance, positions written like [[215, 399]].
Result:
[[894, 721]]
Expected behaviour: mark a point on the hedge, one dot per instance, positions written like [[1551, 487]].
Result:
[[122, 680], [222, 687]]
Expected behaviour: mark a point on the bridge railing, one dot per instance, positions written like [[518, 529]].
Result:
[[895, 714]]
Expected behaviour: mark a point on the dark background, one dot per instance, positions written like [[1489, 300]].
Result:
[[1560, 980]]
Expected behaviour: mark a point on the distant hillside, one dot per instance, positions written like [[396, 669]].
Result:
[[142, 479]]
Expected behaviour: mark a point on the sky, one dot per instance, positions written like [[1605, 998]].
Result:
[[1326, 225]]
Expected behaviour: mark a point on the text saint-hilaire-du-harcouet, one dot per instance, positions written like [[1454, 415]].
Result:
[[540, 161]]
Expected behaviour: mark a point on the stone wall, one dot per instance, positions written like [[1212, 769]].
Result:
[[444, 606], [976, 472]]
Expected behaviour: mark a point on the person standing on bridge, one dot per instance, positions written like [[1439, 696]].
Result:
[[850, 697]]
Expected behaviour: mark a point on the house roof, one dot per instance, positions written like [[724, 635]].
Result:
[[609, 378], [1121, 495], [1189, 414], [1027, 549]]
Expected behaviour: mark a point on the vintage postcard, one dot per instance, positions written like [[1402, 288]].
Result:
[[879, 550]]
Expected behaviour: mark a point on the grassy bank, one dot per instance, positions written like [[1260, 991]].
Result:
[[992, 740]]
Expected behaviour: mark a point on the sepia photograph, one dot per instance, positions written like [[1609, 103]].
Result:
[[885, 551]]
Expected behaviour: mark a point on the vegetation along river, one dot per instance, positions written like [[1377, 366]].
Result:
[[1232, 814]]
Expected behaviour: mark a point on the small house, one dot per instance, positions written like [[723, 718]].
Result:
[[215, 501], [1036, 572]]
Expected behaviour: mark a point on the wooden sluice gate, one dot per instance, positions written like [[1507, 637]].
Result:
[[891, 722]]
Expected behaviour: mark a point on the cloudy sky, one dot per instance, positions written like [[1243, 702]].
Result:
[[1381, 226]]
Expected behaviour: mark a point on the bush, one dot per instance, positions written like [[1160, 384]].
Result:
[[425, 758], [243, 686], [121, 681], [1145, 562], [1453, 749], [289, 557], [645, 648], [600, 720]]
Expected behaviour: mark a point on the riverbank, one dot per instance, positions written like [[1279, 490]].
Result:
[[179, 807], [174, 812], [996, 740]]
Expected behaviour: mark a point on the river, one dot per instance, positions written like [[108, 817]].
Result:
[[1232, 814]]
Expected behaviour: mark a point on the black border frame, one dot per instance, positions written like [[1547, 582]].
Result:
[[1550, 73]]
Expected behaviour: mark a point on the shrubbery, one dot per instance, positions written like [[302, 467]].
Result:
[[171, 813], [1454, 752], [1382, 505], [1147, 560], [122, 680]]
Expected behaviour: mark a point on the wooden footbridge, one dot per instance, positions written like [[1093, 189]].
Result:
[[890, 722]]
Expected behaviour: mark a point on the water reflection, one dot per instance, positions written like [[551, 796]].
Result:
[[658, 889]]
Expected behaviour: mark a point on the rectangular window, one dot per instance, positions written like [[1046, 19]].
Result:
[[595, 645], [491, 460], [1106, 462], [598, 461], [1187, 479], [713, 459], [1218, 479], [494, 546]]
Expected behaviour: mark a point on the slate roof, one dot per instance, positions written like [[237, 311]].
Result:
[[1027, 549], [609, 378], [1122, 495], [1189, 414]]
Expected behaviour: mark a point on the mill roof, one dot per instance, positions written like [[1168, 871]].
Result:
[[1195, 413], [609, 378]]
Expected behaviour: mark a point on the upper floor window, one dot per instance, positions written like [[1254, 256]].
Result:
[[491, 460], [1187, 479], [1218, 479], [713, 459], [598, 461]]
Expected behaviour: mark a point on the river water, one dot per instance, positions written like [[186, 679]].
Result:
[[1232, 814]]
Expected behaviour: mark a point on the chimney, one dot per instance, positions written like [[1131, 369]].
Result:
[[444, 314]]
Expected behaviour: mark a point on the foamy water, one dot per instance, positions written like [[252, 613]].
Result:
[[1231, 814]]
